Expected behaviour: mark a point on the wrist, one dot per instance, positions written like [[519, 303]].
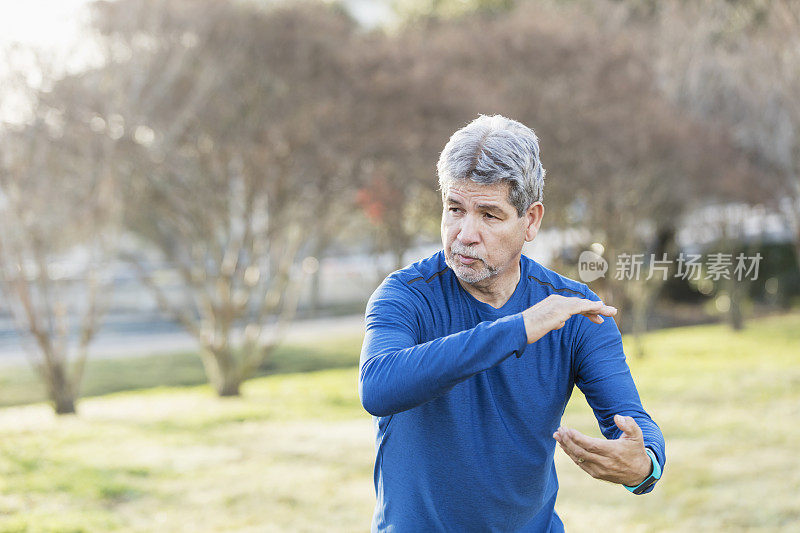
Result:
[[643, 471], [655, 474]]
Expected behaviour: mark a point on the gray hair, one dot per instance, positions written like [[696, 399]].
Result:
[[494, 148]]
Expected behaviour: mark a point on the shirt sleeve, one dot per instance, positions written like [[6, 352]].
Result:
[[398, 372], [603, 375]]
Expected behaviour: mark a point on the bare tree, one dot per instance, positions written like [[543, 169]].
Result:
[[623, 162], [412, 94], [736, 64], [58, 211], [234, 123]]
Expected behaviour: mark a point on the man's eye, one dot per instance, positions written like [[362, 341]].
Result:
[[488, 215], [455, 210]]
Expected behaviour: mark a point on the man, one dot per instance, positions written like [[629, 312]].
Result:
[[471, 354]]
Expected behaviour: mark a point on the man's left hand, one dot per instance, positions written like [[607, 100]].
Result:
[[621, 460]]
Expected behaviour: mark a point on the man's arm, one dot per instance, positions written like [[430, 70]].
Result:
[[602, 374], [398, 373]]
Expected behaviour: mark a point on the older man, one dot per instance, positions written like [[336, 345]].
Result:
[[471, 354]]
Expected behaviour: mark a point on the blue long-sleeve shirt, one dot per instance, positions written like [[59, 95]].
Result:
[[465, 409]]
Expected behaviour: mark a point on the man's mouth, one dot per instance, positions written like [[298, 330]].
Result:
[[465, 259]]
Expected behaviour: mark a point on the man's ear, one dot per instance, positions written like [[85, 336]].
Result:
[[533, 220]]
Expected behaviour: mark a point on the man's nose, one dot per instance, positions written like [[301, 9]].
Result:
[[468, 233]]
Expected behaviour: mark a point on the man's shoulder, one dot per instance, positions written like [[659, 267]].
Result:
[[551, 282], [421, 273], [419, 277]]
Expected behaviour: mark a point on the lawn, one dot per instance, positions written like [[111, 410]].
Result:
[[295, 452], [19, 385]]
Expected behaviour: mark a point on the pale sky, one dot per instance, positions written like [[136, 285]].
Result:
[[52, 27], [56, 27], [54, 22], [40, 22], [370, 13]]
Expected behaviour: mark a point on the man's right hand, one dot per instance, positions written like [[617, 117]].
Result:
[[554, 311]]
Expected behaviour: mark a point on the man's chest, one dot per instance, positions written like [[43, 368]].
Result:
[[529, 388]]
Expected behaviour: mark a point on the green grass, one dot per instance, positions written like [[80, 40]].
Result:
[[295, 451], [19, 384], [729, 406]]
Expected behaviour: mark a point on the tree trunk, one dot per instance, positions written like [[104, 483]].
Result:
[[229, 387], [735, 317], [316, 277], [797, 244], [616, 297], [64, 405], [315, 292], [223, 373], [734, 287], [639, 300], [639, 321], [60, 390], [399, 253]]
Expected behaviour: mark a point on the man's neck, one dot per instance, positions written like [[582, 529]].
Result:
[[495, 291]]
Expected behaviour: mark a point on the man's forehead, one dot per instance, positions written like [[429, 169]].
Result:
[[477, 193]]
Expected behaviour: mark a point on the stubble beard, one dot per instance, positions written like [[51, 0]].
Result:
[[473, 274]]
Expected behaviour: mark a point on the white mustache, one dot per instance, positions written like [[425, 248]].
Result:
[[464, 251]]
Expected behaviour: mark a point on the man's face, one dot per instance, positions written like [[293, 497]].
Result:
[[481, 231]]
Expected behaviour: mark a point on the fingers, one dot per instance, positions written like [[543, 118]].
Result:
[[590, 444], [584, 458], [597, 319], [553, 312], [591, 307], [607, 310], [596, 309], [620, 460], [629, 427]]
